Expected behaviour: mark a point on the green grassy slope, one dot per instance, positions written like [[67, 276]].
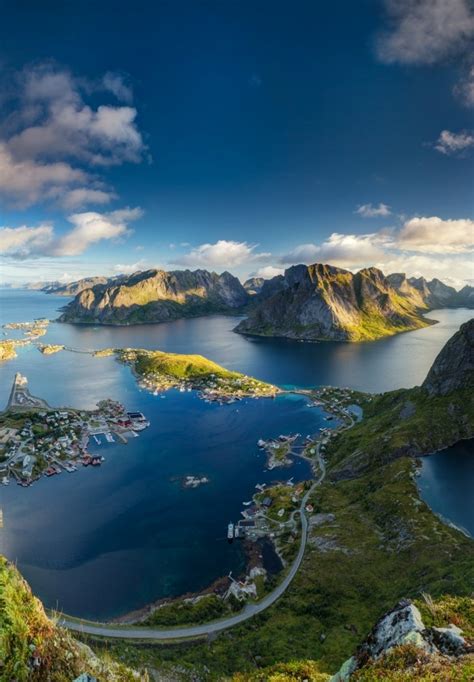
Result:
[[33, 648]]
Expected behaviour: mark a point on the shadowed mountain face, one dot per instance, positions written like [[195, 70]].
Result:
[[156, 296], [324, 302], [454, 366]]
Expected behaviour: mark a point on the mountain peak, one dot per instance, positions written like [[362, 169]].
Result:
[[454, 366]]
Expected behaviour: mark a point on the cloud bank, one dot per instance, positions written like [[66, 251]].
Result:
[[88, 228], [425, 31], [54, 145]]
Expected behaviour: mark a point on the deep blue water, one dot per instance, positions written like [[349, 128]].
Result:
[[446, 483], [101, 542]]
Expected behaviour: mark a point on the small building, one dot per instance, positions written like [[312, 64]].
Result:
[[247, 523], [267, 501]]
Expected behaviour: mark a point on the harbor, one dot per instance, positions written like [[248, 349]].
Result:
[[38, 440]]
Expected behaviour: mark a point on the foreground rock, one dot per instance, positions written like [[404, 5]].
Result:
[[401, 632]]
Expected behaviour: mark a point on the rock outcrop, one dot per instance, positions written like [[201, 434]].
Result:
[[401, 627], [324, 302], [454, 366], [254, 285], [157, 296]]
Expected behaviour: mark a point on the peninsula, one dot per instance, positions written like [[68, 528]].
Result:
[[158, 371]]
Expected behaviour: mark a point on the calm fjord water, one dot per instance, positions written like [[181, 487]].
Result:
[[101, 542]]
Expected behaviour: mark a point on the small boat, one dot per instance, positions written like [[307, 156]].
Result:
[[5, 480], [96, 440], [230, 532], [247, 504]]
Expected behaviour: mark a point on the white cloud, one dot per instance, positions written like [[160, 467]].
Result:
[[129, 268], [268, 271], [23, 242], [76, 198], [304, 253], [345, 250], [115, 83], [450, 143], [27, 181], [425, 31], [51, 134], [222, 253], [465, 88], [435, 235], [90, 227], [371, 211]]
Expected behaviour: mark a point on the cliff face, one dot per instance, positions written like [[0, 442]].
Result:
[[324, 302], [454, 366], [157, 296]]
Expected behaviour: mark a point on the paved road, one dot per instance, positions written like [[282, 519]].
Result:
[[250, 610], [247, 612]]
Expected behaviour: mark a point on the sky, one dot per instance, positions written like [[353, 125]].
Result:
[[236, 135]]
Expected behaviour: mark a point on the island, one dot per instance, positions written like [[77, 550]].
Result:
[[30, 331]]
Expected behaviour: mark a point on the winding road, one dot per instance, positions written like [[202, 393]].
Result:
[[249, 610], [191, 631]]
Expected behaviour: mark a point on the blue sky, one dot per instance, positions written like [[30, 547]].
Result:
[[236, 135]]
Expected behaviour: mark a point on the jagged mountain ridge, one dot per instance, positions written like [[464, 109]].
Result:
[[157, 296], [432, 294], [325, 302]]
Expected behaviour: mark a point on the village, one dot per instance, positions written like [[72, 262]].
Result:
[[274, 511], [38, 440]]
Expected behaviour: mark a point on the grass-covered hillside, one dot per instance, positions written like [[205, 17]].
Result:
[[372, 541], [165, 370], [33, 648]]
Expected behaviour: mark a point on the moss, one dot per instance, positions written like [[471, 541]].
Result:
[[448, 609], [408, 663], [294, 671]]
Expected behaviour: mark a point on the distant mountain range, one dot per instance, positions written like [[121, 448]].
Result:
[[154, 296], [312, 302]]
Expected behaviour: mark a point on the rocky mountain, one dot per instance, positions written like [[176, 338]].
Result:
[[465, 297], [433, 294], [324, 302], [454, 366], [156, 296], [254, 285]]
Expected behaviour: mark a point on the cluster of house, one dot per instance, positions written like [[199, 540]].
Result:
[[50, 441]]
